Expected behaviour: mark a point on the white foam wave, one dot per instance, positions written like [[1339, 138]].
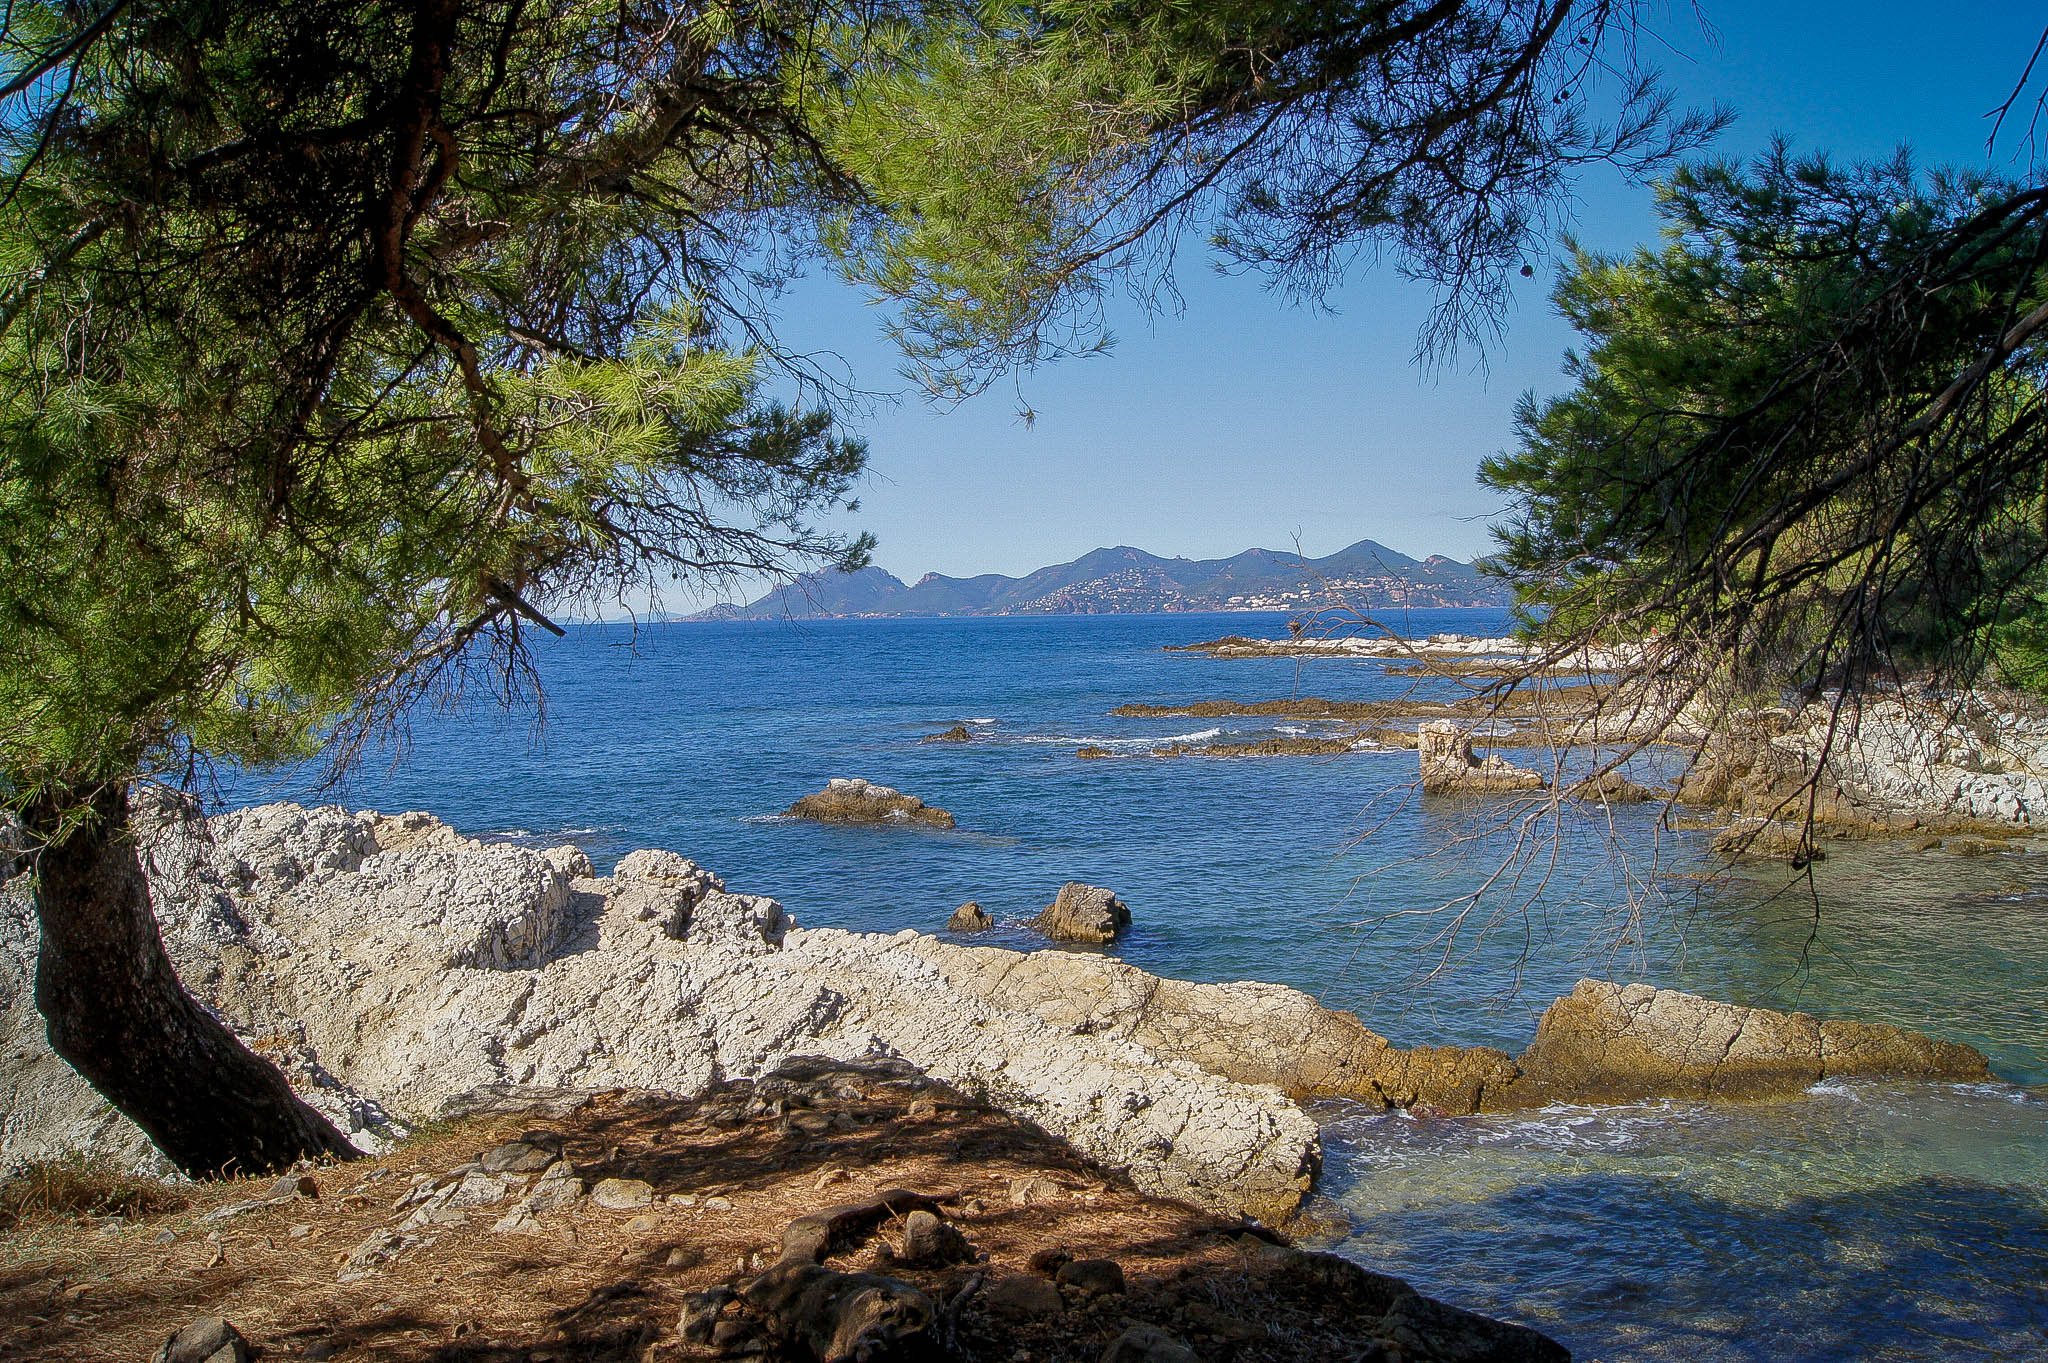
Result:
[[1121, 744], [981, 721]]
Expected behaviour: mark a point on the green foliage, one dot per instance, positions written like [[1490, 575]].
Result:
[[343, 337], [340, 335], [1025, 157], [1805, 433]]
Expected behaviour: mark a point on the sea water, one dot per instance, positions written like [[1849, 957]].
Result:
[[1859, 1221]]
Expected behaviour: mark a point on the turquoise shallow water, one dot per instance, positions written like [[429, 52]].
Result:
[[1866, 1221]]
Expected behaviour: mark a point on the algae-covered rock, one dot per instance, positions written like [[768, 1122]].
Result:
[[853, 800], [1768, 840]]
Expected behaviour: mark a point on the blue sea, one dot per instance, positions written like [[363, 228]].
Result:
[[1859, 1221]]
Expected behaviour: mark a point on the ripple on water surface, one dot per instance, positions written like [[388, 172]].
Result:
[[1876, 1222], [1858, 1222]]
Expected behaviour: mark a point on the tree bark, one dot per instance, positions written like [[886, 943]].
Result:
[[116, 1011]]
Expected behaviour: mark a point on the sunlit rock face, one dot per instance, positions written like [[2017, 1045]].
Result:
[[393, 965]]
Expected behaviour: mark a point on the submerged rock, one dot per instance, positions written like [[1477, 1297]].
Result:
[[1083, 913], [1768, 840], [853, 800]]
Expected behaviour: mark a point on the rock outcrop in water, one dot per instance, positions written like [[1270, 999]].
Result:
[[854, 800], [1083, 913], [1903, 765], [1443, 751], [1617, 1043], [970, 917]]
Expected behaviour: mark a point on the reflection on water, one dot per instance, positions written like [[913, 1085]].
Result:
[[1863, 1221]]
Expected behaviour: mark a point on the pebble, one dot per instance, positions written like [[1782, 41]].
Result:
[[1032, 1190], [518, 1157], [1096, 1276], [1023, 1294], [622, 1194], [295, 1185]]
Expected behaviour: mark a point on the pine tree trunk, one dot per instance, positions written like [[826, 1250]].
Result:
[[117, 1012]]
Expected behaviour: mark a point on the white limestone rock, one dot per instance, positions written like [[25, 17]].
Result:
[[405, 967]]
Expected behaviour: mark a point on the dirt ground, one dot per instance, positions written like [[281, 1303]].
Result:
[[729, 1172]]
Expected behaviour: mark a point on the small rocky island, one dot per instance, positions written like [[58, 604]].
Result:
[[854, 800]]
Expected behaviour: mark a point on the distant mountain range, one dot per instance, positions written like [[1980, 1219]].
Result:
[[1122, 580]]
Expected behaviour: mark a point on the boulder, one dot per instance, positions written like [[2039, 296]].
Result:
[[1617, 1043], [1083, 913], [831, 1315], [1612, 788], [1254, 1033], [853, 800], [1443, 750], [1144, 1344], [959, 733], [622, 1194], [1096, 1277], [210, 1339], [970, 917], [1023, 1294], [522, 1156]]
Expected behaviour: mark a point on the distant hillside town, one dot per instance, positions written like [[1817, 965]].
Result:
[[1128, 581]]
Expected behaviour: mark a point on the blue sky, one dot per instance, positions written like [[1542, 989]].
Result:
[[1240, 420]]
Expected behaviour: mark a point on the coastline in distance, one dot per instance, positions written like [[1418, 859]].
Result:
[[1123, 580]]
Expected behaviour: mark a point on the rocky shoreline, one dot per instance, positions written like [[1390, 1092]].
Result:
[[396, 969], [1777, 780]]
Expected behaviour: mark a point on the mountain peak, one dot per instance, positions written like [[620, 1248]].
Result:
[[1124, 579]]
